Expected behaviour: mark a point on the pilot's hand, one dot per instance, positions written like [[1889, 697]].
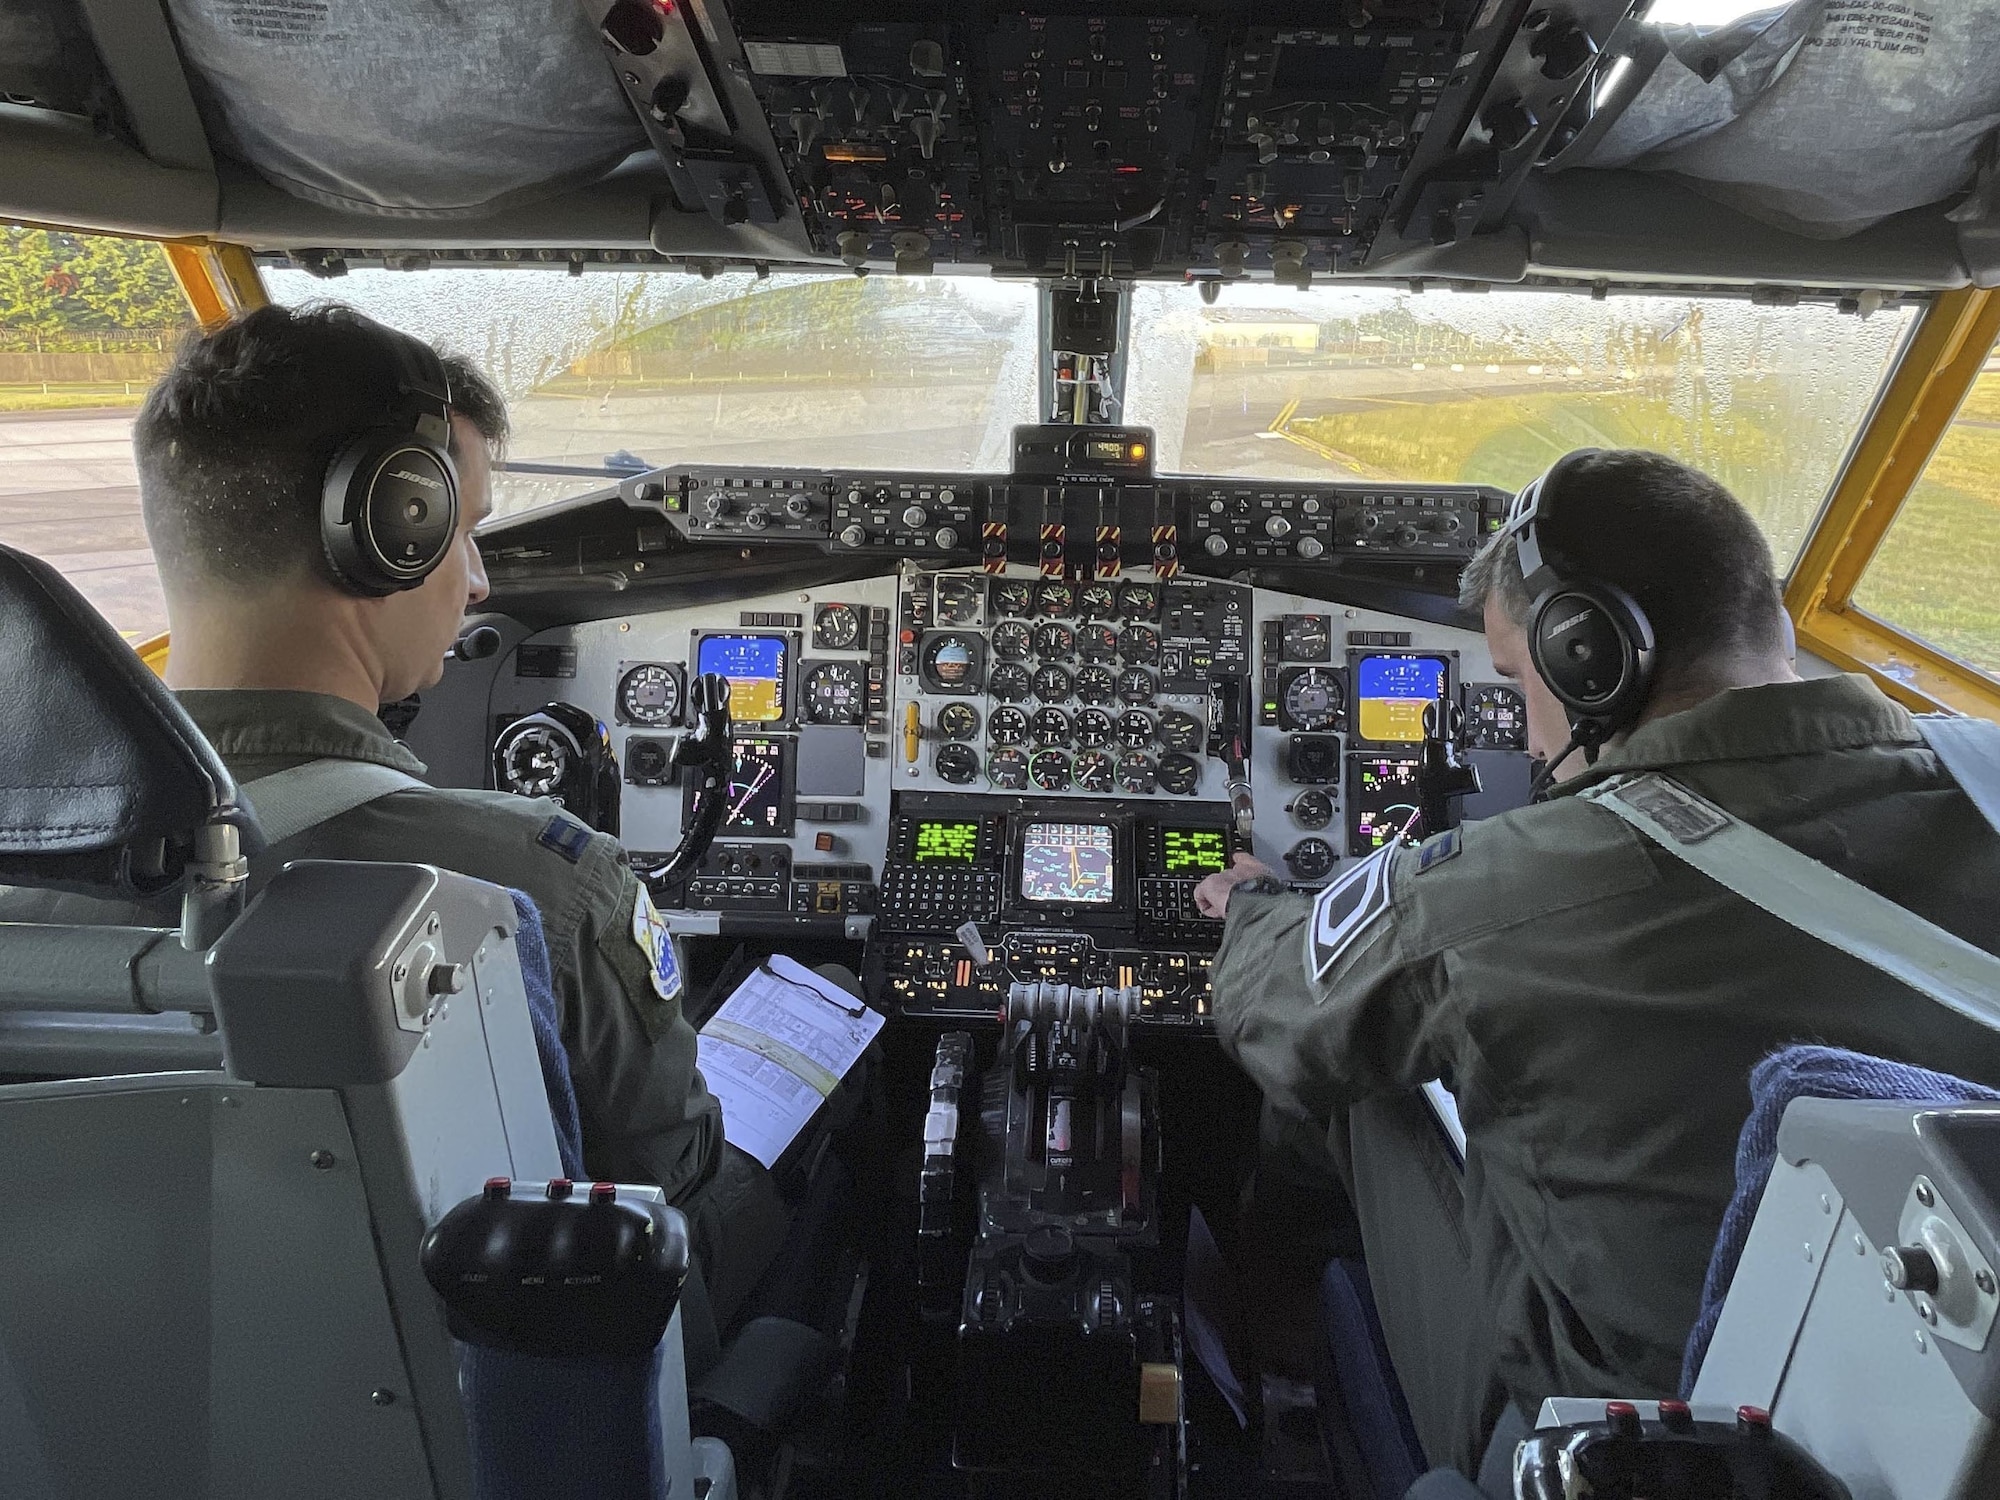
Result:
[[1211, 897]]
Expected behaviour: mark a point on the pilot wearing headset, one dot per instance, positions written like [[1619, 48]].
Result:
[[311, 481], [1594, 1003]]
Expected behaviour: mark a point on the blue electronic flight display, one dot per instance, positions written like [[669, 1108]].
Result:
[[755, 668], [1390, 693]]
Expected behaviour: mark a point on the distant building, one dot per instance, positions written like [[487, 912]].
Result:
[[1234, 336]]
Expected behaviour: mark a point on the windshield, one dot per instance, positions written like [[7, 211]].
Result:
[[884, 372], [1445, 387]]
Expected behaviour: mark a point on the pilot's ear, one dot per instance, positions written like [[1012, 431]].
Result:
[[1791, 636]]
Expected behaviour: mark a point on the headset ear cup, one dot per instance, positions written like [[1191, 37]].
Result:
[[1592, 645], [388, 512]]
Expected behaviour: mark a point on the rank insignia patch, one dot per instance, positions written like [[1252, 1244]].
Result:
[[566, 836], [1344, 909], [1438, 848]]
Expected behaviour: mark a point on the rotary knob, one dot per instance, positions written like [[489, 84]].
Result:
[[914, 517], [946, 497], [946, 537], [1310, 506], [757, 520], [1277, 526], [715, 507], [853, 536], [1451, 523], [1311, 547], [798, 507], [1407, 535], [1216, 544]]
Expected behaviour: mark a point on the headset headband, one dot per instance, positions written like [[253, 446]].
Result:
[[1532, 510], [421, 379]]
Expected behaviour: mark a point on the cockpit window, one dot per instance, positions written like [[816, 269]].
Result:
[[1444, 387], [651, 368]]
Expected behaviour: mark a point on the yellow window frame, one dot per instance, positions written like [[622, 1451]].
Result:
[[1916, 408]]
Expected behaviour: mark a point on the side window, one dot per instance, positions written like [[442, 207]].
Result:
[[1936, 575], [86, 324]]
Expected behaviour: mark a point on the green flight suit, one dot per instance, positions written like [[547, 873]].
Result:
[[1596, 1006], [647, 1115]]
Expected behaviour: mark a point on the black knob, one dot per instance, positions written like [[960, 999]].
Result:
[[1909, 1268], [1050, 1253], [1563, 51]]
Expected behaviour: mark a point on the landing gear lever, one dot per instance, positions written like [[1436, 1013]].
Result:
[[705, 751]]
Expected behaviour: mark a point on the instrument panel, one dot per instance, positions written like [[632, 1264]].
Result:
[[1046, 757]]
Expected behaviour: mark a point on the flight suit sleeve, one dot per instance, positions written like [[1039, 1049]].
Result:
[[1366, 1026], [647, 1113]]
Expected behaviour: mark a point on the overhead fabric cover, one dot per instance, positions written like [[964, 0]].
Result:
[[412, 108], [1823, 117]]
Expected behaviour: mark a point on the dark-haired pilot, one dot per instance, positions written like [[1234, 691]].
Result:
[[280, 662], [1594, 1003]]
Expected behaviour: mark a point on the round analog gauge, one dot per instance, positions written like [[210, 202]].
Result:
[[1055, 600], [1011, 640], [1095, 684], [958, 721], [1312, 699], [1052, 684], [534, 762], [959, 598], [1094, 770], [1139, 645], [1049, 770], [1054, 639], [1098, 601], [950, 662], [957, 764], [836, 628], [1135, 729], [1135, 685], [1008, 769], [649, 694], [1006, 726], [1181, 731], [1310, 858], [1307, 638], [1049, 726], [836, 693], [1312, 809], [1180, 775], [1010, 682], [1097, 643], [1135, 772], [1014, 597], [1093, 728], [1498, 720], [1138, 601]]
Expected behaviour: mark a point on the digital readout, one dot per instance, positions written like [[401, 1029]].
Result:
[[1384, 802], [941, 843], [1391, 693], [755, 668], [1192, 851], [1068, 863], [756, 787]]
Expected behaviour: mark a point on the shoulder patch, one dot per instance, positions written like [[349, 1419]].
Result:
[[649, 931], [1344, 909], [1438, 848], [566, 836]]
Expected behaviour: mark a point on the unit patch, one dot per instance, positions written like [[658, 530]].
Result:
[[1344, 908], [1438, 848], [649, 931], [566, 836]]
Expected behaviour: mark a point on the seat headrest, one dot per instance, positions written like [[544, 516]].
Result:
[[104, 779]]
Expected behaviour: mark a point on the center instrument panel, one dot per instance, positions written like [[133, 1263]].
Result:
[[1038, 755]]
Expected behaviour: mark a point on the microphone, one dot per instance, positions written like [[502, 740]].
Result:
[[476, 644]]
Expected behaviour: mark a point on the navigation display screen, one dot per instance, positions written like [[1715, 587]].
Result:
[[755, 667], [1390, 694], [1381, 801], [757, 788], [1068, 864], [945, 843], [1191, 852]]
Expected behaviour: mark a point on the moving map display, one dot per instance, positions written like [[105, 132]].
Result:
[[1068, 864], [757, 802], [755, 668], [1391, 693]]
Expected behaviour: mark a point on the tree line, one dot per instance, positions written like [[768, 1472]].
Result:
[[63, 291]]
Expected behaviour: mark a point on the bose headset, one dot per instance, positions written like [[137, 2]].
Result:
[[1588, 639], [389, 510]]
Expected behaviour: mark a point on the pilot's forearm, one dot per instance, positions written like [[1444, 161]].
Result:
[[1262, 1001]]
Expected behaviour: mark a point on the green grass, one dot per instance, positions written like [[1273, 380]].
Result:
[[55, 397]]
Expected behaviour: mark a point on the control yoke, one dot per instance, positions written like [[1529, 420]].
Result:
[[1442, 778], [705, 751]]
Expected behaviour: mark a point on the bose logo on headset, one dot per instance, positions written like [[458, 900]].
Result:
[[1603, 676], [389, 506]]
